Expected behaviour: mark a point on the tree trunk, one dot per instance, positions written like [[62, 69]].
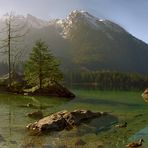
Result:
[[9, 54], [40, 72]]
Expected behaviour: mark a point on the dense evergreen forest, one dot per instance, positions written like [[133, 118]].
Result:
[[107, 80], [103, 80]]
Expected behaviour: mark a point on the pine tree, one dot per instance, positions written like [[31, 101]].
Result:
[[42, 68]]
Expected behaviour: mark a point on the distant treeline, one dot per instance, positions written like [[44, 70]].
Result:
[[3, 68], [107, 80], [103, 80]]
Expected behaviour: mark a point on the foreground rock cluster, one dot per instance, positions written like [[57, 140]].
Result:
[[63, 120]]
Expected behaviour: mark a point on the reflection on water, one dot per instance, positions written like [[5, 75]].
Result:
[[126, 106], [14, 119]]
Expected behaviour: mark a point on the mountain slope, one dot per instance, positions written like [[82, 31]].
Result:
[[82, 41], [102, 44]]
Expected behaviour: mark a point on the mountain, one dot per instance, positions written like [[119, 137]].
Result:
[[28, 20], [84, 42]]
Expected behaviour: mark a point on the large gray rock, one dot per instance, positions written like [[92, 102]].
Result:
[[62, 120]]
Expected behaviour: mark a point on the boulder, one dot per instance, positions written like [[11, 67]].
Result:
[[145, 95], [62, 120]]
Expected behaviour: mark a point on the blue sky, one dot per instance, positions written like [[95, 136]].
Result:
[[130, 14]]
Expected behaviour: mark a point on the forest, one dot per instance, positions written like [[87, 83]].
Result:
[[107, 80]]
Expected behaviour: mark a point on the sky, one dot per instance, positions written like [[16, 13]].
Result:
[[130, 14]]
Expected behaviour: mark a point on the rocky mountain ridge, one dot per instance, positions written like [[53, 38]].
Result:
[[82, 41]]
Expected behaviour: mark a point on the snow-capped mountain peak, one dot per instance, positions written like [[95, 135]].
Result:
[[82, 17], [73, 20]]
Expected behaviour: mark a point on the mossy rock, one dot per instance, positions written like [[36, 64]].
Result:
[[56, 90]]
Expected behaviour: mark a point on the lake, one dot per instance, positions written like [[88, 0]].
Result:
[[125, 105]]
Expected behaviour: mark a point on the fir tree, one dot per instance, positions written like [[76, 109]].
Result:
[[42, 68]]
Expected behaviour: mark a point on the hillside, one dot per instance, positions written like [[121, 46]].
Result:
[[84, 42]]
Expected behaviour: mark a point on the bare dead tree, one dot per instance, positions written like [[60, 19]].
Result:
[[12, 34], [17, 58]]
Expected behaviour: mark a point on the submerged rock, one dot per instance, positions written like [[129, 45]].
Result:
[[13, 142], [138, 115], [80, 142], [2, 139], [123, 125], [62, 146], [36, 114], [33, 106], [62, 120], [29, 145], [142, 133], [145, 95], [47, 146], [100, 146]]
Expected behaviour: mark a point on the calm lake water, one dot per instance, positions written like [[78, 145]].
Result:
[[125, 106]]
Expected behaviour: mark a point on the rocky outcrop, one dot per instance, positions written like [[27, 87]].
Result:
[[145, 95], [54, 89], [63, 120], [19, 86]]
